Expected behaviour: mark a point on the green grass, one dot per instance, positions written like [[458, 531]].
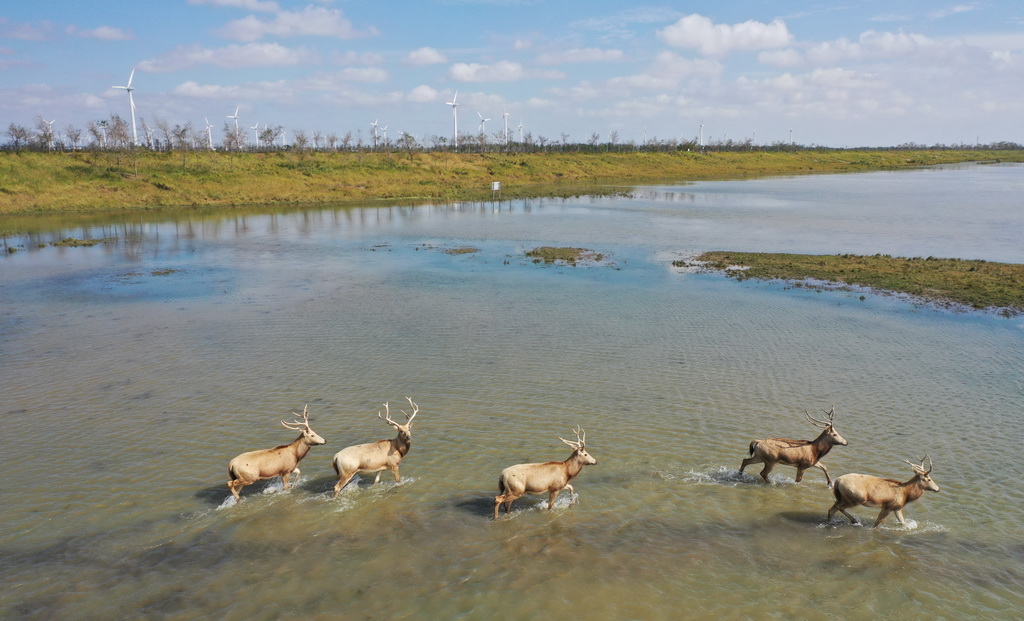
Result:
[[977, 284], [32, 182], [571, 256]]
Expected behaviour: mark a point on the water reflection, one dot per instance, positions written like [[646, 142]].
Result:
[[131, 372]]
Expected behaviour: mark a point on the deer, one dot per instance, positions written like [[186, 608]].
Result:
[[803, 454], [852, 490], [551, 477], [281, 460], [376, 456]]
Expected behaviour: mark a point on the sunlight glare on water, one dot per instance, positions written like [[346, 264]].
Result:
[[132, 372]]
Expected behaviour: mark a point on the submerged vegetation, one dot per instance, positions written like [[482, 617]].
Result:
[[972, 283], [140, 179], [570, 256]]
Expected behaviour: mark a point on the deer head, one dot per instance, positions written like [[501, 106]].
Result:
[[404, 431], [828, 426], [303, 425], [926, 479], [579, 446]]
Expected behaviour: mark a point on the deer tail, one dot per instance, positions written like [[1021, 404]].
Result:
[[752, 445]]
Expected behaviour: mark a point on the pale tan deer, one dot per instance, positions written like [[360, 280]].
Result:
[[803, 454], [550, 477], [852, 490], [281, 461], [376, 456]]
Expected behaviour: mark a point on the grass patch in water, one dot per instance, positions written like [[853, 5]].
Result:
[[461, 250], [74, 242], [571, 256], [972, 283]]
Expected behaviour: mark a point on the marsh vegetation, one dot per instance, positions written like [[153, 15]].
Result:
[[976, 284]]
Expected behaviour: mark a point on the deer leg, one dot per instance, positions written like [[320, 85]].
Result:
[[572, 494], [551, 499], [899, 516], [235, 489], [828, 479], [394, 471], [800, 473], [881, 516], [748, 461], [285, 478], [343, 480], [768, 466], [497, 504]]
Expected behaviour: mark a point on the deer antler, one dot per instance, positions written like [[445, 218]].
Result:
[[297, 425], [387, 414], [581, 440], [415, 411], [822, 423], [919, 468]]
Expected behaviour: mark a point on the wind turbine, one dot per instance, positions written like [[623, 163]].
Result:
[[455, 116], [385, 130], [701, 143], [235, 116], [209, 134], [131, 102], [49, 133], [482, 121], [520, 130], [373, 132], [505, 114], [256, 133], [790, 136]]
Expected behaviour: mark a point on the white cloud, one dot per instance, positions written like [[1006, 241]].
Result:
[[700, 33], [780, 58], [365, 74], [953, 10], [668, 70], [310, 21], [425, 56], [105, 33], [230, 57], [590, 54], [503, 71], [354, 58], [251, 5], [24, 32], [422, 94]]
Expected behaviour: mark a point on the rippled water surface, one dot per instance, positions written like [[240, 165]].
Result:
[[132, 371]]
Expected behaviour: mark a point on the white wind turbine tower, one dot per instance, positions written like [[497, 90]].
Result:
[[520, 130], [256, 133], [209, 133], [455, 117], [235, 117], [131, 103], [49, 133], [385, 130], [701, 143], [482, 121], [373, 131], [505, 114]]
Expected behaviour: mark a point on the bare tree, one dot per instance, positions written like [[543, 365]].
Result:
[[346, 140], [73, 134], [266, 136], [332, 141], [317, 137], [165, 129], [301, 140], [19, 135]]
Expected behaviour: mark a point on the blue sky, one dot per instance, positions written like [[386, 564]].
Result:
[[853, 73]]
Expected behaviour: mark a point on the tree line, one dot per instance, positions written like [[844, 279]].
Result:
[[115, 134]]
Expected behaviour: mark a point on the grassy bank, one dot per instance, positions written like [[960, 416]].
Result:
[[92, 181], [977, 284]]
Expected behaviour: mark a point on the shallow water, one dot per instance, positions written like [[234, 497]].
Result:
[[132, 371]]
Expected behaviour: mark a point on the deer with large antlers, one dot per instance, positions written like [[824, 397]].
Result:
[[852, 490], [803, 454], [280, 461], [540, 478], [376, 456]]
